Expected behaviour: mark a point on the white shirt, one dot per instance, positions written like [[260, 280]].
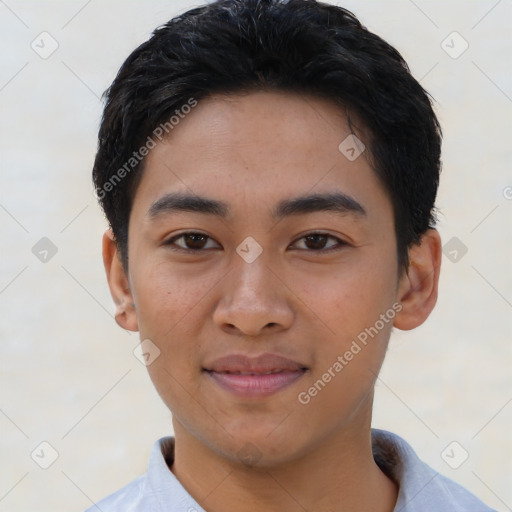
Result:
[[421, 489]]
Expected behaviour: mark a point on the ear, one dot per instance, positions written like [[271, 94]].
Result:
[[417, 288], [119, 284]]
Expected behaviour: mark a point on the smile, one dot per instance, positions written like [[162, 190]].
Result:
[[255, 385]]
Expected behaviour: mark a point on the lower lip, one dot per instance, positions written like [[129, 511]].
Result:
[[256, 386]]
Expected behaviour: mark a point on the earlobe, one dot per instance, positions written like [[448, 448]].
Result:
[[417, 289], [119, 284]]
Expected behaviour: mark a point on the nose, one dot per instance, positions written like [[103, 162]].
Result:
[[254, 300]]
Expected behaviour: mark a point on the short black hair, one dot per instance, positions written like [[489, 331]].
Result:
[[297, 46]]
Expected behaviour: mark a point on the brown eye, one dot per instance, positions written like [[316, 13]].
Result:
[[319, 242], [316, 241], [195, 241], [191, 242]]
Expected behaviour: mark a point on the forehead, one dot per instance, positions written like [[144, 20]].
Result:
[[257, 147]]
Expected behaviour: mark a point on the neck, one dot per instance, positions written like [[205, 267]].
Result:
[[340, 475]]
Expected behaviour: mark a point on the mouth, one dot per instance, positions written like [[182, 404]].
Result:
[[255, 377]]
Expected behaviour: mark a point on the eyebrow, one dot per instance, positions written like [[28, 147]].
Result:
[[337, 202]]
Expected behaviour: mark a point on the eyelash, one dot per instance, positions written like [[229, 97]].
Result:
[[340, 243]]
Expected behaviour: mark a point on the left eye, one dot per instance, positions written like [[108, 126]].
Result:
[[318, 242]]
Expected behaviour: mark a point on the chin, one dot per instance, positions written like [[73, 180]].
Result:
[[261, 448]]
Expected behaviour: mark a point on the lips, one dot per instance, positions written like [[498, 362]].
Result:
[[254, 377]]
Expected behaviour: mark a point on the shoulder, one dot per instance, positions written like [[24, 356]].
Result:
[[156, 490], [130, 498], [421, 488]]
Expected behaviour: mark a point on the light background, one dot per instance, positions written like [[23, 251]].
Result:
[[68, 374]]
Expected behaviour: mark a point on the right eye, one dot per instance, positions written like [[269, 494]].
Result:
[[190, 242]]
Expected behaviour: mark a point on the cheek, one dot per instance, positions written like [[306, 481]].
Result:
[[349, 357], [168, 296], [352, 298], [170, 304]]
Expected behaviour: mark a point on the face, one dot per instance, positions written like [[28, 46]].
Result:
[[263, 265]]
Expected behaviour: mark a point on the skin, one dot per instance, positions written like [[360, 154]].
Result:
[[252, 151]]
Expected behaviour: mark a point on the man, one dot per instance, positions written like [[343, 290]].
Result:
[[269, 172]]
